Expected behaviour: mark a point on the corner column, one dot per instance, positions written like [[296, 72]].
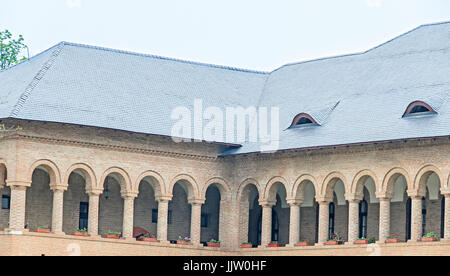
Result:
[[294, 222], [128, 215], [93, 212], [57, 210], [196, 214], [385, 219], [266, 229], [163, 212], [324, 222], [447, 217], [17, 208]]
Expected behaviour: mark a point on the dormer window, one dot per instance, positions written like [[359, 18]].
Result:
[[303, 119], [418, 107]]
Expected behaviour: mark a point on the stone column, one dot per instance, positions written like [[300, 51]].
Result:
[[447, 217], [57, 211], [128, 215], [93, 212], [196, 214], [163, 212], [385, 219], [266, 229], [416, 218], [353, 220], [17, 208], [294, 222], [324, 222]]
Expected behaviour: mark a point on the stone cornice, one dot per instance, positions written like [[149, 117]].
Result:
[[55, 141]]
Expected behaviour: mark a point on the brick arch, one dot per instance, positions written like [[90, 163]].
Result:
[[221, 184], [124, 179], [3, 170], [88, 174], [357, 188], [51, 168], [272, 187], [329, 183], [417, 103], [420, 181], [390, 178], [158, 186], [190, 185], [244, 184], [299, 186]]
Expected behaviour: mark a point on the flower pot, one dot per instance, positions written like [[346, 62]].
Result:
[[80, 234], [212, 244], [274, 245], [392, 240], [361, 242], [303, 243], [184, 242], [430, 239], [41, 230], [147, 239], [249, 245], [332, 243], [110, 236]]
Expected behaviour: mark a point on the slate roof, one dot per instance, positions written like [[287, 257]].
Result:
[[356, 98]]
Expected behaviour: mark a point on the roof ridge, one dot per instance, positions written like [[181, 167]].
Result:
[[165, 58], [363, 52], [39, 75]]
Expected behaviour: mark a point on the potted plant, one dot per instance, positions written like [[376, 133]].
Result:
[[362, 241], [393, 238], [113, 235], [372, 240], [274, 244], [81, 232], [246, 245], [43, 229], [148, 238], [334, 239], [184, 241], [213, 243], [430, 237], [303, 243]]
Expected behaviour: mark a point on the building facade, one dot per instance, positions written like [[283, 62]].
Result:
[[86, 159]]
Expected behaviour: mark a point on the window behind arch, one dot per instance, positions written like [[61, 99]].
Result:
[[331, 221], [363, 206]]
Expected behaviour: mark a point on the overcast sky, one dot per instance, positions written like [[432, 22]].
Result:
[[254, 34]]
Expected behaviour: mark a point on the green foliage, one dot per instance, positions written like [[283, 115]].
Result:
[[214, 241], [114, 233], [84, 230], [10, 49], [372, 240], [430, 235]]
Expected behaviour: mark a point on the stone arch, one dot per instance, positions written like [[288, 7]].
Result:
[[85, 171], [244, 184], [188, 183], [390, 179], [3, 173], [50, 168], [420, 181], [120, 175], [221, 184], [357, 188], [272, 187], [298, 189], [329, 184], [244, 204], [156, 182]]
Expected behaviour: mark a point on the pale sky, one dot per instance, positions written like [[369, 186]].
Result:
[[253, 34]]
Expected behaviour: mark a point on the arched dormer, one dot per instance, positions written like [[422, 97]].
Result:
[[303, 119], [418, 107]]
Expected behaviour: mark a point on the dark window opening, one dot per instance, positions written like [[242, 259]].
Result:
[[408, 219], [316, 237], [304, 121], [331, 220], [205, 220], [84, 215], [363, 206], [6, 202], [169, 217], [419, 109], [154, 215], [442, 217], [275, 226], [424, 216]]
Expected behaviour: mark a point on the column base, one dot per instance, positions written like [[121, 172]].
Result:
[[380, 242], [95, 236], [128, 238], [412, 241], [164, 242], [198, 245], [16, 231], [291, 245], [59, 233]]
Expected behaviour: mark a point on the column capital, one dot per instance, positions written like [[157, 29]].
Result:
[[323, 200], [164, 198], [413, 194], [17, 183], [60, 187], [267, 203], [353, 197], [294, 202], [129, 195], [445, 191], [195, 202], [94, 191]]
